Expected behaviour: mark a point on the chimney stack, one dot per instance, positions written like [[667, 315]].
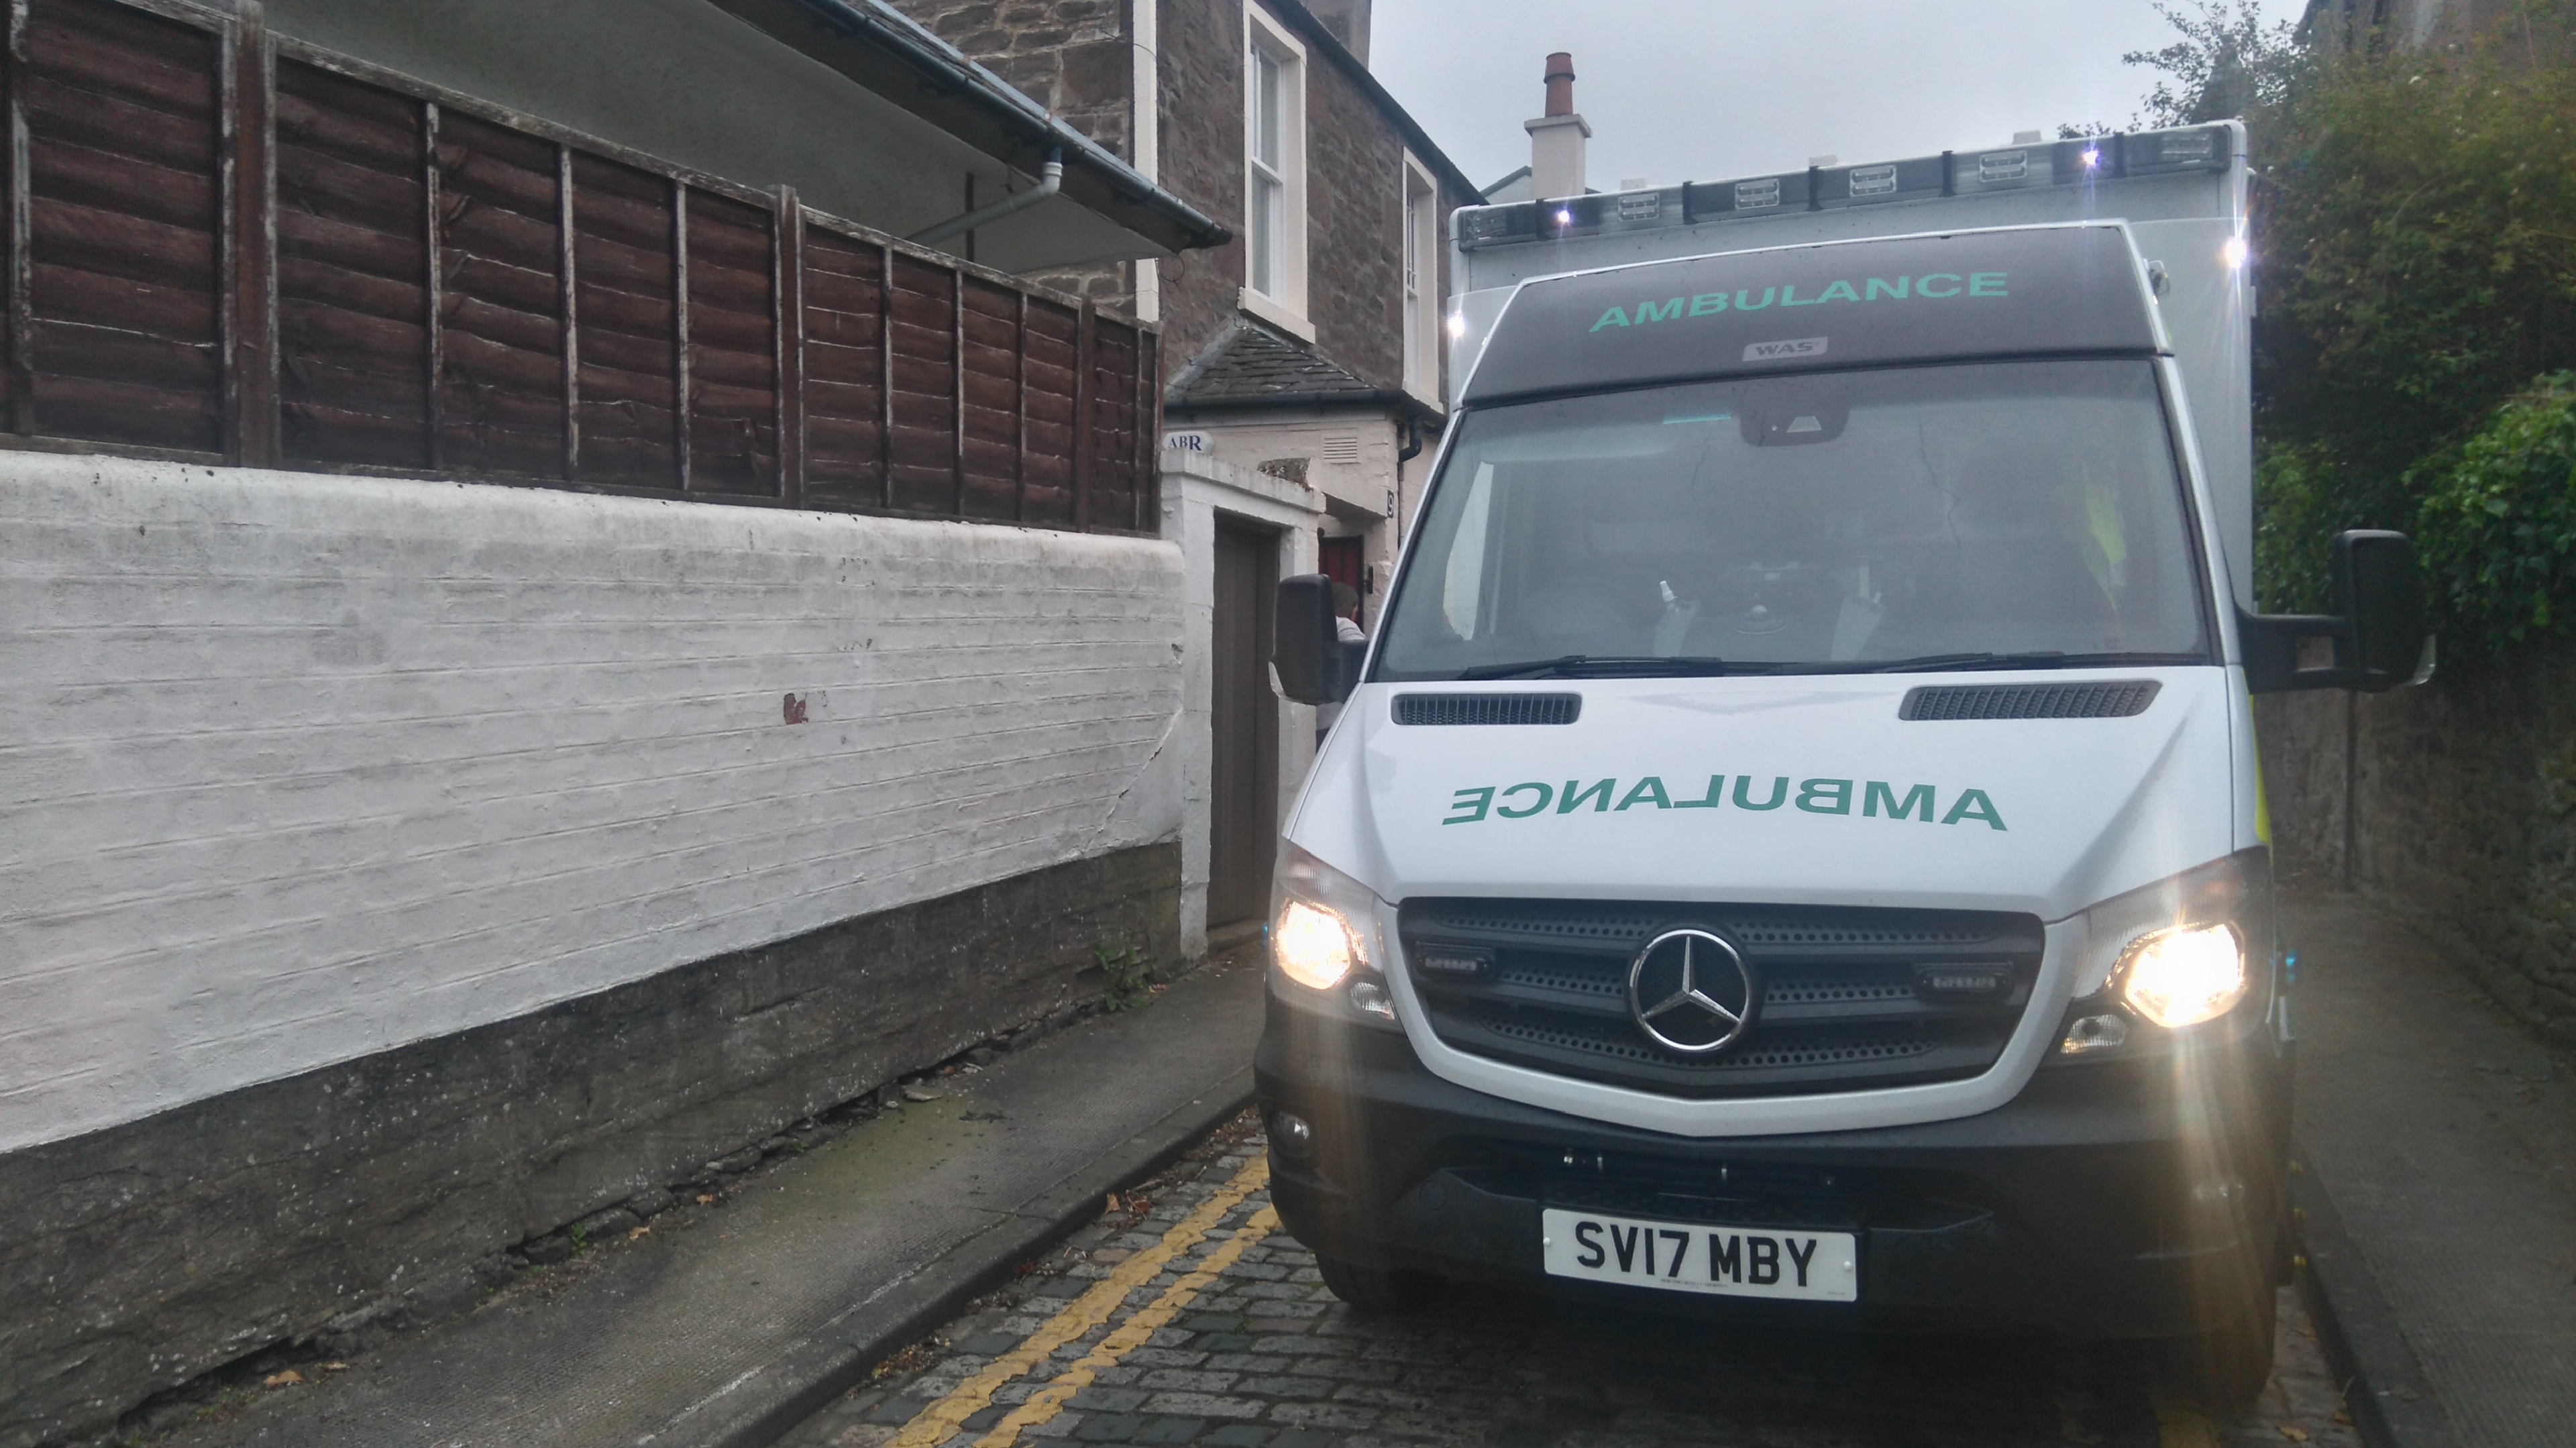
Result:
[[1556, 139], [1346, 21]]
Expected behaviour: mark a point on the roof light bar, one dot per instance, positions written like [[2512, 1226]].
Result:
[[1827, 188]]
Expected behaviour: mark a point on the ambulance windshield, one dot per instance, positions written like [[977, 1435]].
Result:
[[1996, 515]]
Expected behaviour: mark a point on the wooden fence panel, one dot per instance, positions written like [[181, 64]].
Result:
[[1047, 355], [500, 253], [118, 322], [221, 244], [844, 369], [352, 272], [625, 273], [989, 458], [924, 319], [733, 348], [1112, 452]]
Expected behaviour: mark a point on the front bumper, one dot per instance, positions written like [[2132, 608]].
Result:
[[2134, 1199]]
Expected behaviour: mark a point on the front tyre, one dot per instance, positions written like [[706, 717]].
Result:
[[2227, 1366], [1377, 1291]]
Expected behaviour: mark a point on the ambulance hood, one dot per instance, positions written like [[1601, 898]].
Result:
[[1813, 789]]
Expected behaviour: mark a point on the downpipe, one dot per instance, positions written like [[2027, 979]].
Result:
[[1050, 181]]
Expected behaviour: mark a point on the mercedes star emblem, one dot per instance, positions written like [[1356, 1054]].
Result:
[[1691, 992]]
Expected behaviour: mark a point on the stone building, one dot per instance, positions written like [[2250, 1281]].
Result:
[[1304, 362], [2337, 25]]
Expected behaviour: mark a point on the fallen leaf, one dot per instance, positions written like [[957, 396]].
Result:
[[920, 1091], [335, 1367], [637, 1232], [1113, 1203], [2294, 1434], [286, 1379], [705, 1200]]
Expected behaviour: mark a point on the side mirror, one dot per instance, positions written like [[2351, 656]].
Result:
[[2375, 641], [1314, 667], [2383, 594]]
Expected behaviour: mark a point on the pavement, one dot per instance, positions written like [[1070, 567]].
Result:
[[1074, 1243], [728, 1322], [2437, 1141]]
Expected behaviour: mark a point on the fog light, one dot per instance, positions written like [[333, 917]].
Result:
[[2091, 1034], [1313, 946], [2184, 976], [1370, 999], [1290, 1133]]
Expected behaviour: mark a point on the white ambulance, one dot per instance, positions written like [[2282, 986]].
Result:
[[1795, 847]]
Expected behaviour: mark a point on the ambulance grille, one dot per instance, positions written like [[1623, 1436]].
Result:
[[1488, 708], [2117, 700], [1872, 1047], [1843, 1001]]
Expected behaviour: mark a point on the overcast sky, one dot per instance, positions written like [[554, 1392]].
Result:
[[1699, 90]]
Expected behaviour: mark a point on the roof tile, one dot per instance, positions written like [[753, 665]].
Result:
[[1250, 362]]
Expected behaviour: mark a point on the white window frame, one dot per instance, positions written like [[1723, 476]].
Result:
[[1283, 302], [1419, 281]]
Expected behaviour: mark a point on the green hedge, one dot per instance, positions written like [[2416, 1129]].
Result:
[[2299, 504], [2415, 222], [2497, 528]]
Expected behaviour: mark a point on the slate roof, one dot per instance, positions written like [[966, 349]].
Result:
[[1249, 365]]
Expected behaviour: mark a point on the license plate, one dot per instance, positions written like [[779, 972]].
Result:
[[1695, 1257]]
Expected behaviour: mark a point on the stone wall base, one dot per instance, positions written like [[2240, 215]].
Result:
[[2455, 802], [136, 1258]]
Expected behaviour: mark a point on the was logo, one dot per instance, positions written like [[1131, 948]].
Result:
[[1783, 351], [1873, 798]]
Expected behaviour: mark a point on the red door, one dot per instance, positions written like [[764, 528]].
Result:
[[1340, 560]]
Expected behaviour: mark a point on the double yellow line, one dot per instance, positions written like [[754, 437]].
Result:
[[2181, 1424], [945, 1418]]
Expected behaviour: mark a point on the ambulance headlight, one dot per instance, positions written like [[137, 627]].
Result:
[[2185, 951], [1324, 928], [1315, 946], [2185, 975]]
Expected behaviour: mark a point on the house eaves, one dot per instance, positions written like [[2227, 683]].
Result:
[[885, 51]]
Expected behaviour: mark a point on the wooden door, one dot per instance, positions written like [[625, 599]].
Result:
[[1243, 822], [1339, 560]]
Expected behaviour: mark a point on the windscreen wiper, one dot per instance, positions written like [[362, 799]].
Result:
[[2037, 659], [1600, 666]]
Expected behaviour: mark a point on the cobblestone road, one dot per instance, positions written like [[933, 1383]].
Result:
[[1185, 1316]]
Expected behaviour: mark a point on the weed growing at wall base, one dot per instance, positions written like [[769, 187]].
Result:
[[1129, 975]]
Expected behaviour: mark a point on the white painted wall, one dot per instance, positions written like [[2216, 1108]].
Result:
[[295, 768], [1196, 490]]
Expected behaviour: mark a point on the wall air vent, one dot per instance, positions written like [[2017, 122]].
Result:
[[2112, 700], [1488, 708]]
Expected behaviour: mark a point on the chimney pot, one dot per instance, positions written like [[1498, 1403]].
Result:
[[1560, 84]]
